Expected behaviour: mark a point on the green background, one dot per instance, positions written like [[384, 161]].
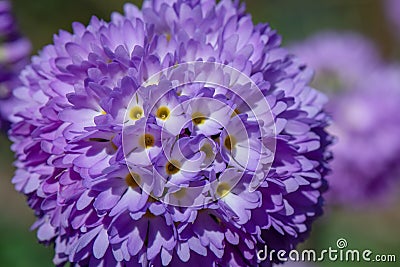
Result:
[[375, 227]]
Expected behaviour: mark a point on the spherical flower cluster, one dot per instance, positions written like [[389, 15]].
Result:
[[176, 135], [14, 51], [365, 116]]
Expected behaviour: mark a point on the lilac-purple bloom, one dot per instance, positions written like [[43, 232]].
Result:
[[340, 60], [364, 106], [366, 163], [392, 10], [14, 52], [95, 181]]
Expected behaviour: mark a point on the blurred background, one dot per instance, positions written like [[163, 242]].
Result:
[[374, 226]]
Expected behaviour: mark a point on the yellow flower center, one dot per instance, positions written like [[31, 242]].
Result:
[[223, 189], [230, 142], [172, 167], [207, 149], [235, 112], [147, 141], [180, 194], [132, 180], [136, 113], [168, 36], [163, 112], [198, 118]]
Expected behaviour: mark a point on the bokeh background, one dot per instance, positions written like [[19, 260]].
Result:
[[374, 227]]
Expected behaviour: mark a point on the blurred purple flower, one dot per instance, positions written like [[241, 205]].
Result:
[[364, 106], [392, 9], [82, 176], [367, 125], [14, 52], [340, 60]]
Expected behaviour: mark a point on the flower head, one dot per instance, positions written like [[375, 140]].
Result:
[[340, 60], [365, 167], [14, 51], [179, 134], [365, 117]]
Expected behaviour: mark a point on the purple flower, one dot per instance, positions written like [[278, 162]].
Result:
[[392, 9], [14, 51], [340, 60], [364, 108], [366, 161], [131, 153]]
